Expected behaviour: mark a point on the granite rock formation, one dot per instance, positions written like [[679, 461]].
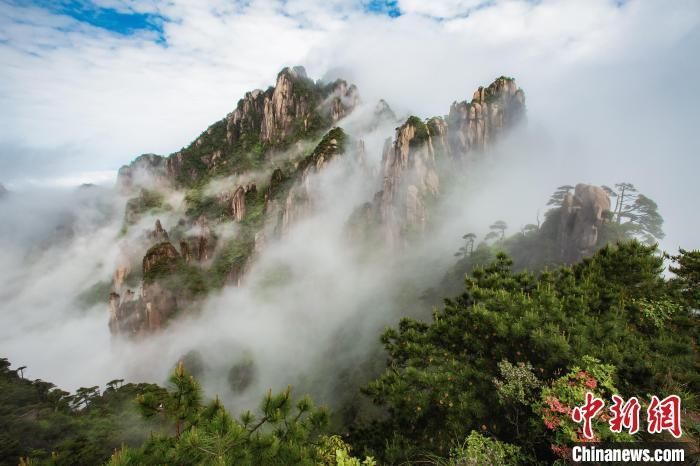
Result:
[[282, 138], [132, 314], [295, 108], [580, 218], [420, 150]]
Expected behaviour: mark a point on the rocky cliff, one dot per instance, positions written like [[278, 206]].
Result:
[[581, 216], [301, 194], [296, 108], [473, 126], [146, 171], [252, 175], [204, 259], [132, 314], [413, 161]]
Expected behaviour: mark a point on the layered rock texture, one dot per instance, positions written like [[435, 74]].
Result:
[[412, 163], [581, 216], [294, 109], [252, 175], [133, 314], [473, 126], [302, 191]]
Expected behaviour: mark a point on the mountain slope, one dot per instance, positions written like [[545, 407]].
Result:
[[251, 176]]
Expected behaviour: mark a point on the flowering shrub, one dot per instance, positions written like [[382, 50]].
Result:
[[559, 399]]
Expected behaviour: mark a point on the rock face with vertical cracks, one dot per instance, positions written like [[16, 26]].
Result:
[[580, 218], [474, 125], [421, 150], [294, 109], [197, 244], [236, 200], [133, 315], [300, 197], [220, 220]]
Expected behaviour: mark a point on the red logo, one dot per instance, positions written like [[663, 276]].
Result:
[[662, 415], [587, 412], [624, 415], [665, 415]]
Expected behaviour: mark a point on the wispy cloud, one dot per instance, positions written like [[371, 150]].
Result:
[[612, 76], [611, 97]]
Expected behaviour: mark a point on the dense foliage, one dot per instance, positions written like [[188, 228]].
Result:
[[51, 426], [285, 432], [491, 379], [615, 307], [538, 246]]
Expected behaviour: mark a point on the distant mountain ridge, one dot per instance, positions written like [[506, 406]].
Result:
[[264, 195], [296, 108]]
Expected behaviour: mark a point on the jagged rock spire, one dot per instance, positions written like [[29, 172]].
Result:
[[410, 171], [295, 108]]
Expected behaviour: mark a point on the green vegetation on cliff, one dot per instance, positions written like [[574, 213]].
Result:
[[439, 382], [485, 380], [164, 265], [146, 201], [422, 133], [235, 252], [227, 147]]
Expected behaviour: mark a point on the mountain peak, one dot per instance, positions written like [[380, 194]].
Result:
[[295, 109], [298, 72]]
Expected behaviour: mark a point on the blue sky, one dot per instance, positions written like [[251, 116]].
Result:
[[387, 7], [126, 21], [87, 86], [122, 21]]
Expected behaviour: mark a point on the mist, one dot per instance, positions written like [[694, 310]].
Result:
[[616, 104]]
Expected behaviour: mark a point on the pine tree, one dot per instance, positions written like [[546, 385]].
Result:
[[468, 248], [439, 380], [557, 199], [284, 432], [500, 226]]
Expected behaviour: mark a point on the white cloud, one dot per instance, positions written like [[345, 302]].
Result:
[[440, 8], [118, 97], [610, 92], [76, 97], [63, 82]]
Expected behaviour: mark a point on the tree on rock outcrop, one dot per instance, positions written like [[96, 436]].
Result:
[[625, 196], [558, 196], [634, 215]]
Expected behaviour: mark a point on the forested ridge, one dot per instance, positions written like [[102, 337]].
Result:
[[488, 347], [473, 385]]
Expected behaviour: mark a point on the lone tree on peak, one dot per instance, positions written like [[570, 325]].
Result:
[[557, 198], [636, 214]]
